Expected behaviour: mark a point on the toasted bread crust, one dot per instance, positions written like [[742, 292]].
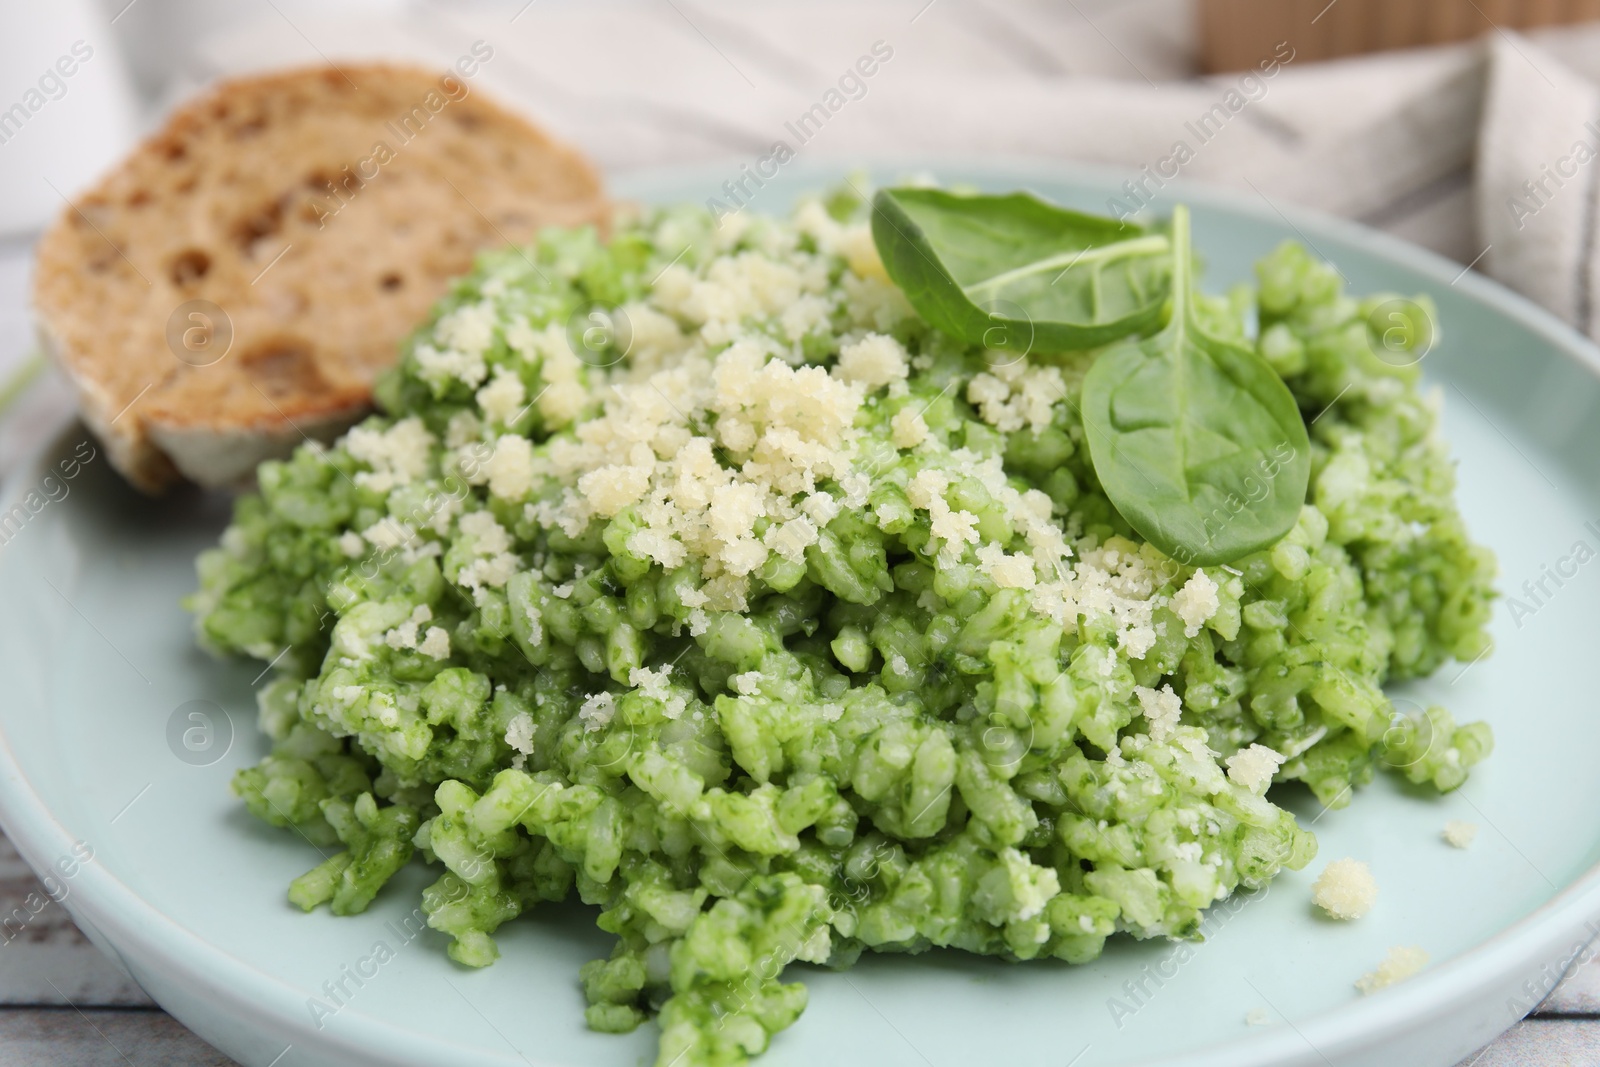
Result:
[[318, 217]]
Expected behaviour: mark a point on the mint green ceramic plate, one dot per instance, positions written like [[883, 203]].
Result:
[[188, 891]]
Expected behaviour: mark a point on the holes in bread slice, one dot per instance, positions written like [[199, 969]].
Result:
[[283, 366], [188, 267], [327, 315], [254, 228], [320, 181], [335, 186], [326, 193]]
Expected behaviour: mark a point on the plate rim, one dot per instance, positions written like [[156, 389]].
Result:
[[122, 917]]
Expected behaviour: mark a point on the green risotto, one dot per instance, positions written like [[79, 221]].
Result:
[[694, 573]]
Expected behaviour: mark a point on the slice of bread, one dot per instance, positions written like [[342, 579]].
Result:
[[234, 286]]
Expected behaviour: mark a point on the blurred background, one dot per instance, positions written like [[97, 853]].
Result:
[[1437, 120], [1466, 126]]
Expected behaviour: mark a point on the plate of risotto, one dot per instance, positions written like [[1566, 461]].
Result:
[[881, 619]]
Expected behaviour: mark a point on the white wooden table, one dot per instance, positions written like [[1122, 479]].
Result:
[[693, 81]]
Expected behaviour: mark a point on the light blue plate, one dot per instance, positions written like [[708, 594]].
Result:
[[188, 891]]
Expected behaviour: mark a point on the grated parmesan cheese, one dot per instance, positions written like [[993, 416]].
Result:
[[1254, 767], [1196, 602], [1345, 889], [438, 367], [398, 455], [908, 428], [860, 251], [469, 328], [436, 644], [1006, 570], [1017, 394], [597, 711], [873, 362], [388, 533], [519, 735], [1161, 708], [503, 398], [405, 635], [1400, 963], [510, 467]]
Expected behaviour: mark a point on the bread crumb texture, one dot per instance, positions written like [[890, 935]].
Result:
[[1345, 889], [246, 273]]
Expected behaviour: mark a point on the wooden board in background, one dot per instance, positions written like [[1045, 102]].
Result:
[[1237, 34]]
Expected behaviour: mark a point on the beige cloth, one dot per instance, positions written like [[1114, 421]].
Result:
[[1538, 158], [1428, 145]]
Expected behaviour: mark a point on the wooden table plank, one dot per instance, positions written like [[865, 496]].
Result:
[[1543, 1041], [44, 958], [114, 1037], [100, 1037], [1579, 993]]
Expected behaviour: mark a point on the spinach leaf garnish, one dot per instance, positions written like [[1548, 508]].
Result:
[[1195, 439], [1015, 273]]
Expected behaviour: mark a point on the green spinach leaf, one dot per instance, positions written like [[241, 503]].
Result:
[[1195, 439], [1015, 273]]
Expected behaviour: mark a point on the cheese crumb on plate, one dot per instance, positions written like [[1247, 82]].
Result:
[[1401, 963], [1345, 889]]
